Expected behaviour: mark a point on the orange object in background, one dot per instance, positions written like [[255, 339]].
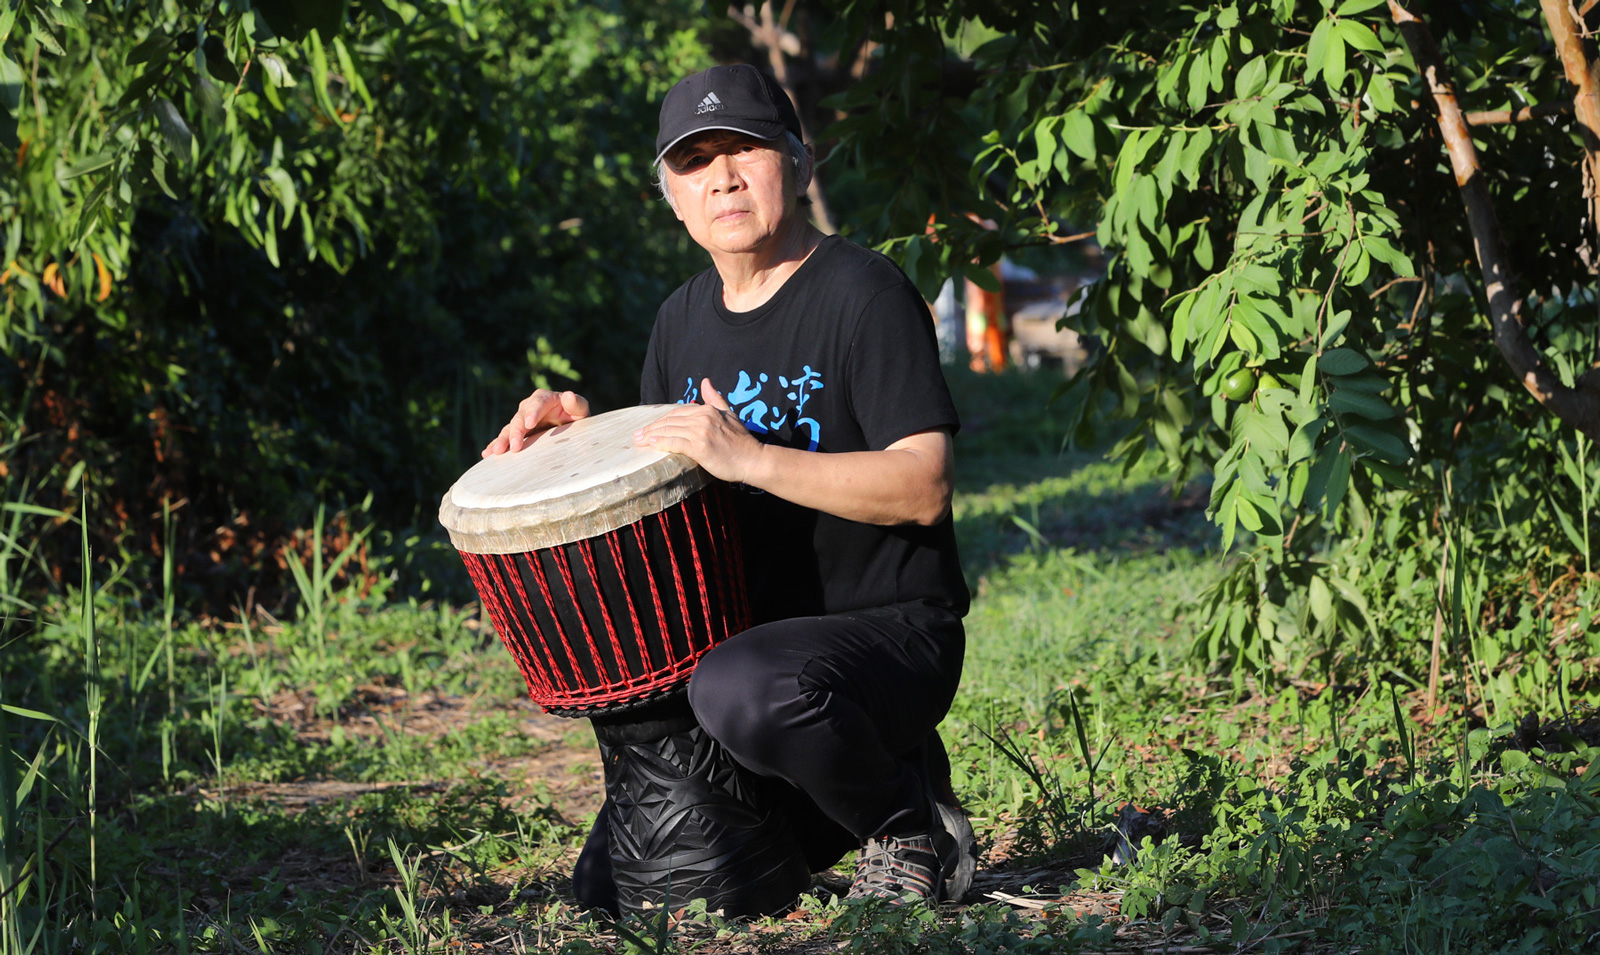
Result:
[[988, 331], [988, 336]]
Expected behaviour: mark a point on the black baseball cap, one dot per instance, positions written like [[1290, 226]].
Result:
[[739, 98]]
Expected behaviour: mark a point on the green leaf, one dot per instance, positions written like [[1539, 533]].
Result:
[[1304, 439], [1128, 388], [1133, 149], [93, 163], [1382, 443], [981, 276], [1317, 49], [1263, 431], [1333, 65], [71, 14], [1257, 168], [173, 128], [1077, 132], [319, 77], [1321, 599], [156, 46], [142, 85], [1338, 482], [43, 33], [28, 714], [1358, 35], [1195, 151], [1390, 475], [351, 75], [1380, 92], [1044, 140], [1337, 323], [1204, 255], [1199, 83], [283, 191], [1350, 7], [1342, 361], [1180, 326], [1227, 516], [1357, 402], [277, 71], [11, 88], [1252, 78], [217, 63], [1146, 203]]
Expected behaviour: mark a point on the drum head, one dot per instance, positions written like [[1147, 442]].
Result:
[[570, 483]]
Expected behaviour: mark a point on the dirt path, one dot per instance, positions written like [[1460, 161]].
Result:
[[562, 770]]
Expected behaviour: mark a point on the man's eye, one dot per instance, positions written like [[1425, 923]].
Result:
[[694, 162]]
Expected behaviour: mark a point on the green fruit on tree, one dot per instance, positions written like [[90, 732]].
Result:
[[1268, 380], [1239, 385]]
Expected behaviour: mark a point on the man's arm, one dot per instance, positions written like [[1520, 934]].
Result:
[[909, 482]]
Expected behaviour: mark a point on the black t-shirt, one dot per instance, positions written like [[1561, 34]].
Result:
[[842, 358]]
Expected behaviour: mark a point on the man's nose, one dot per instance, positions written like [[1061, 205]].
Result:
[[724, 174]]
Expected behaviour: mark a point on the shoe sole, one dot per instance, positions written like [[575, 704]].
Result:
[[956, 873], [958, 862]]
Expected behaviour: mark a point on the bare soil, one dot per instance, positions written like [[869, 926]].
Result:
[[564, 773]]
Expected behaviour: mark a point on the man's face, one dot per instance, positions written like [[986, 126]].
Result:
[[731, 191]]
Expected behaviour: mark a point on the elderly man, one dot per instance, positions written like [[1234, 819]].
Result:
[[807, 376]]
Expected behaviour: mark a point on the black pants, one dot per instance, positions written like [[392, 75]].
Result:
[[833, 706], [839, 708]]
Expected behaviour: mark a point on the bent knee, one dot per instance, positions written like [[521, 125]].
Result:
[[740, 701]]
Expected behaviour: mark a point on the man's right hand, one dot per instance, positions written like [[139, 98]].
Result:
[[538, 412]]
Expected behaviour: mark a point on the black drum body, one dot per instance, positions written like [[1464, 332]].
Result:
[[687, 822]]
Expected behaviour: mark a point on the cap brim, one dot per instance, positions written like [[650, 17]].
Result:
[[756, 128]]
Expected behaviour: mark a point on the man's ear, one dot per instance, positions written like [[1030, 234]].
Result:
[[806, 169]]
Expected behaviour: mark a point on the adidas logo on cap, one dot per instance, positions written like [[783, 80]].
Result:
[[709, 103]]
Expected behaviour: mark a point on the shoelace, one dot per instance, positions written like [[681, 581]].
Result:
[[894, 867]]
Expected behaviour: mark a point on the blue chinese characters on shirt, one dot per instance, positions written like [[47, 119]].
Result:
[[766, 407]]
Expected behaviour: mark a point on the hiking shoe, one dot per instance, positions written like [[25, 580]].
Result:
[[953, 839], [897, 869]]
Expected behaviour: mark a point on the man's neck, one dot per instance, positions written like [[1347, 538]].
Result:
[[750, 279]]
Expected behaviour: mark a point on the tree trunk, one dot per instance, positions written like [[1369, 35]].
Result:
[[771, 33], [1577, 406]]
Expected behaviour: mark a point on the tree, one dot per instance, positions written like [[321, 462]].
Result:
[[262, 255], [1292, 285]]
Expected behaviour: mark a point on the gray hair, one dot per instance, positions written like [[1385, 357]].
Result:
[[789, 143]]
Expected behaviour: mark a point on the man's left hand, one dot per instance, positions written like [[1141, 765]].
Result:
[[711, 434]]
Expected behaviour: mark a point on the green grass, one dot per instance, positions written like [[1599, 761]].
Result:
[[363, 777]]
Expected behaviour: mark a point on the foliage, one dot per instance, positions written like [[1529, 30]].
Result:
[[1291, 292], [311, 252], [373, 780]]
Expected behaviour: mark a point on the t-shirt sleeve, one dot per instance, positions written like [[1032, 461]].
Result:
[[897, 387]]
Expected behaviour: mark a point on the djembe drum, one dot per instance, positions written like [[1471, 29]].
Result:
[[609, 570]]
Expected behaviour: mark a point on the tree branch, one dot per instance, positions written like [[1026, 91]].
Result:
[[769, 32], [1491, 117], [1578, 407], [1567, 33]]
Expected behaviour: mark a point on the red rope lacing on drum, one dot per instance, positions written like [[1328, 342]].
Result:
[[650, 574], [487, 579], [677, 578], [565, 568], [623, 672], [699, 572], [614, 541], [531, 561], [538, 656]]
